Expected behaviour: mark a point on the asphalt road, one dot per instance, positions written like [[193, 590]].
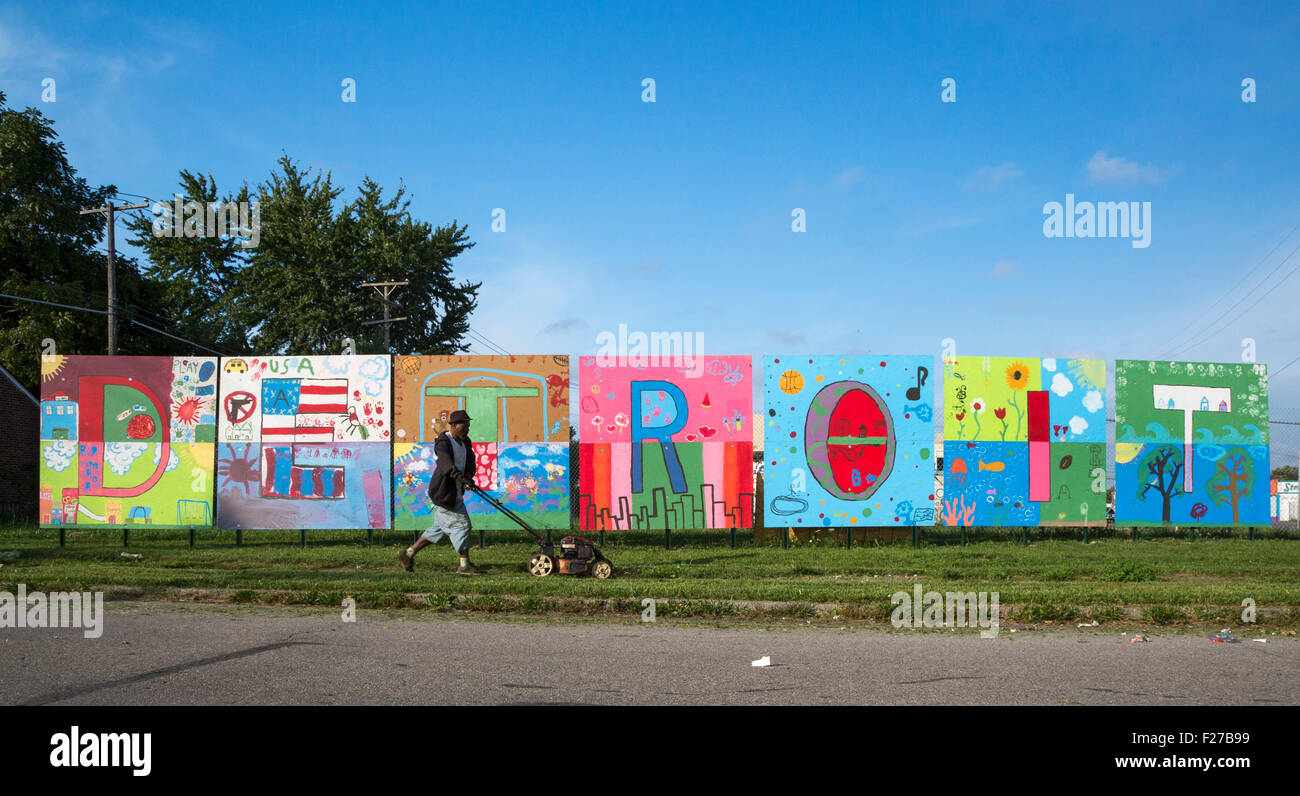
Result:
[[169, 655]]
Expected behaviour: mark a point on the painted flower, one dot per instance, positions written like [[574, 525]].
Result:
[[961, 416], [978, 406], [1001, 413], [1017, 375]]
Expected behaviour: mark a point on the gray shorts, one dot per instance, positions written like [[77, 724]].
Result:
[[453, 523]]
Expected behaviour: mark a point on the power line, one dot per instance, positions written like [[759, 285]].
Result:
[[105, 312], [174, 337], [1212, 332], [1284, 367], [1244, 279], [488, 343], [52, 304]]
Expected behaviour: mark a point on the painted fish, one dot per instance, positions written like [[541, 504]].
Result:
[[992, 467]]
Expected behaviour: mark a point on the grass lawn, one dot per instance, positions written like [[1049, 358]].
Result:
[[1165, 580]]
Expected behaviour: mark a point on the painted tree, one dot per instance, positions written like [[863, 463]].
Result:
[[1163, 469], [1234, 475]]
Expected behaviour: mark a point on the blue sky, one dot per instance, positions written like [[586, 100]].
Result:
[[924, 219]]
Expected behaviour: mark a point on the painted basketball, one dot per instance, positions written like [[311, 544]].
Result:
[[791, 382]]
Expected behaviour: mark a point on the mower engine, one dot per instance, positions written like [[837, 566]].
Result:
[[577, 556]]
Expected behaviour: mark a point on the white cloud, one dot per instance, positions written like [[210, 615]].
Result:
[[992, 178], [1061, 385], [173, 461], [1002, 270], [849, 176], [119, 456], [1118, 171], [1078, 425], [1093, 401], [376, 368], [1049, 364], [58, 455]]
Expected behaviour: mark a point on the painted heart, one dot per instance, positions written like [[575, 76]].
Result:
[[610, 427], [707, 432], [690, 437]]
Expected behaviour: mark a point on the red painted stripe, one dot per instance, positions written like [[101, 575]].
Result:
[[268, 471], [745, 482], [600, 467], [1040, 422], [323, 389], [586, 485]]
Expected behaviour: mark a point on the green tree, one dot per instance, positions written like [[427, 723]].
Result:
[[49, 252], [194, 277], [1234, 475], [389, 245], [1162, 470], [300, 291], [1286, 473]]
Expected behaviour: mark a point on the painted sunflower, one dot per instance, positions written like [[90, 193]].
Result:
[[1017, 375]]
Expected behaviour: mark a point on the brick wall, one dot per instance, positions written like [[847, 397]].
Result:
[[20, 430]]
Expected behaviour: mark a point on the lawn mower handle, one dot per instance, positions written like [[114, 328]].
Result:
[[476, 489]]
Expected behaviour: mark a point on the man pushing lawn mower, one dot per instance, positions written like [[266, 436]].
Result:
[[454, 456]]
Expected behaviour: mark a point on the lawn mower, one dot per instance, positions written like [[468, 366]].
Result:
[[578, 556]]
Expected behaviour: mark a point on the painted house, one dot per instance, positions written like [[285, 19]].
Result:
[[59, 418]]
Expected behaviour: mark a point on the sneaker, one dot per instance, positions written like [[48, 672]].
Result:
[[468, 569], [407, 562]]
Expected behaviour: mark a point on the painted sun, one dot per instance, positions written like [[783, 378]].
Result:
[[188, 411], [51, 366]]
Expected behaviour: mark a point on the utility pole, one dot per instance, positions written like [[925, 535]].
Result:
[[108, 210], [385, 289]]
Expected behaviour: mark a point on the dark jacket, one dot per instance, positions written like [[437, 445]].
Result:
[[443, 489]]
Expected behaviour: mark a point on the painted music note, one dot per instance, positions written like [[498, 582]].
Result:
[[914, 393]]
